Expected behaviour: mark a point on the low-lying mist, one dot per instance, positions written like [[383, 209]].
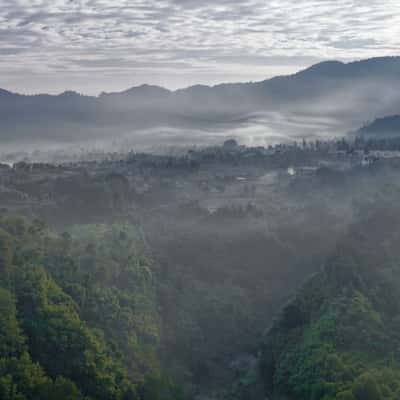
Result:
[[325, 101]]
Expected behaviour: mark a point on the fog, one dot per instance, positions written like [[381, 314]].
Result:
[[235, 242], [326, 101]]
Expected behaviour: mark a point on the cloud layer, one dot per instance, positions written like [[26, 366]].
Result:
[[92, 45]]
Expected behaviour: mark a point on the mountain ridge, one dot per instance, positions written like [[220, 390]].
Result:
[[324, 67], [348, 94]]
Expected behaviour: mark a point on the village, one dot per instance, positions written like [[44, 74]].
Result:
[[230, 175]]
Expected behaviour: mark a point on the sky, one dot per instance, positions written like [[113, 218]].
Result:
[[108, 45]]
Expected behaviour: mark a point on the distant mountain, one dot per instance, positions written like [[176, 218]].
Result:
[[312, 81], [343, 93], [5, 93], [387, 127], [140, 96]]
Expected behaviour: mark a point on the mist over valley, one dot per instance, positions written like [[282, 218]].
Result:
[[325, 101], [225, 228]]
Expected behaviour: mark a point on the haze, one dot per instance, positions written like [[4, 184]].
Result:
[[199, 200]]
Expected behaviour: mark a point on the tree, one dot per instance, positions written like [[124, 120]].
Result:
[[5, 254], [61, 389], [366, 388], [11, 339]]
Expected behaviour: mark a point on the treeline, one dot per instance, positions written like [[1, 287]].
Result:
[[78, 317]]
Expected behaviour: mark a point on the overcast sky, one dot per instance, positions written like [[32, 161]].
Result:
[[104, 45]]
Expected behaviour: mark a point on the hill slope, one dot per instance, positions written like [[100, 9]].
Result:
[[339, 337], [78, 319], [386, 127]]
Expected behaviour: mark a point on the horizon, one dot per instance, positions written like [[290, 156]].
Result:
[[172, 88], [94, 92], [99, 92]]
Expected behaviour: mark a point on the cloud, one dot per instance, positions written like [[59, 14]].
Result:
[[164, 38]]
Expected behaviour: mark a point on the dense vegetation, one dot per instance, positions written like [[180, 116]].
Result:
[[222, 278], [191, 279], [78, 316], [338, 339]]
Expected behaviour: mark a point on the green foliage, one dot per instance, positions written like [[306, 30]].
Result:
[[338, 339], [61, 389], [161, 388], [78, 317], [5, 254], [367, 388], [11, 339]]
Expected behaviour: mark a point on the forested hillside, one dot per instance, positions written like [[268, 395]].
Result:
[[199, 200], [158, 277], [338, 339], [78, 316]]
